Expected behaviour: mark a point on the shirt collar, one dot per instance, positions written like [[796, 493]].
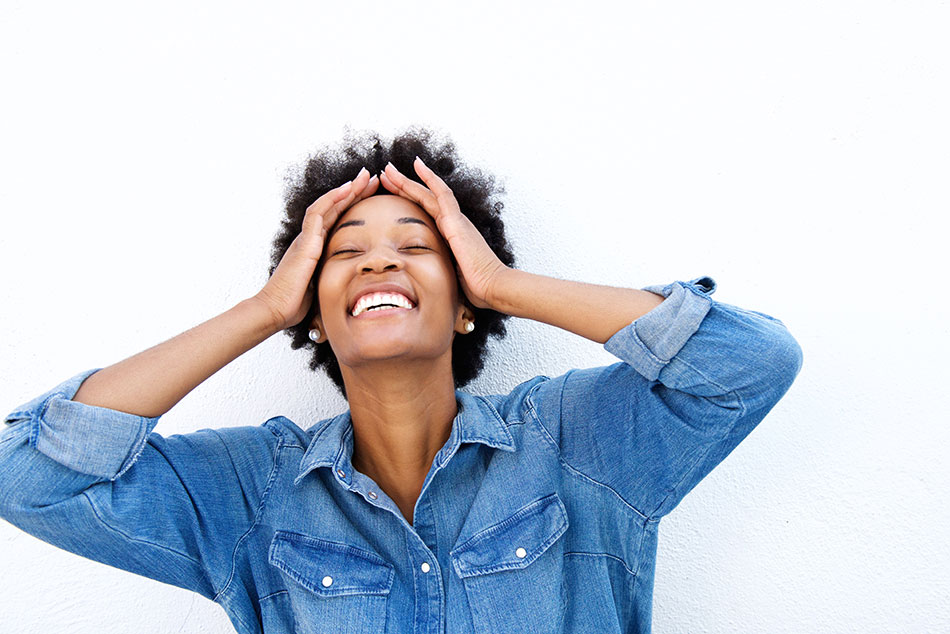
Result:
[[477, 421]]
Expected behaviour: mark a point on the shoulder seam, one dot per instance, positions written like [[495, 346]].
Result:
[[537, 417]]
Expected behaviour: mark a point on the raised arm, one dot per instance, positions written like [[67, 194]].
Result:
[[593, 311], [590, 310], [695, 376], [151, 382], [80, 467]]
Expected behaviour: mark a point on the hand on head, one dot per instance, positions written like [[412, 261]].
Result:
[[289, 291], [477, 265]]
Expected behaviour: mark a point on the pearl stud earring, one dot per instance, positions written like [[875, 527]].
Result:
[[314, 334], [469, 326]]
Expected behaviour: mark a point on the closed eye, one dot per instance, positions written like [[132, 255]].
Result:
[[415, 246]]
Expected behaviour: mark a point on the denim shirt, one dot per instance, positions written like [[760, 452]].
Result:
[[538, 515]]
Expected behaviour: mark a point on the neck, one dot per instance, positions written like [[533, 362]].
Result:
[[402, 413]]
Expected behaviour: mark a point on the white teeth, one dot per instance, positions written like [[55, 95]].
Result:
[[375, 300]]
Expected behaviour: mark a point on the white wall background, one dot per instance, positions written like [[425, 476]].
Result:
[[798, 153]]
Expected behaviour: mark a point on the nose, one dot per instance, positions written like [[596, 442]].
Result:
[[381, 259]]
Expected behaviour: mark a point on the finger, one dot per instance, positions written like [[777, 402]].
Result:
[[359, 183], [340, 192], [371, 186], [388, 184], [393, 185], [427, 175], [412, 190], [326, 209], [363, 186], [322, 204], [391, 177], [435, 184]]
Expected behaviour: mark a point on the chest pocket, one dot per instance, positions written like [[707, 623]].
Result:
[[333, 587], [513, 570]]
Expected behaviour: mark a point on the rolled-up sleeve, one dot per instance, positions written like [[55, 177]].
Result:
[[695, 377], [101, 484], [96, 441]]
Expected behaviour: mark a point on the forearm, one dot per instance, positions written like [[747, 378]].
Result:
[[152, 381], [590, 310]]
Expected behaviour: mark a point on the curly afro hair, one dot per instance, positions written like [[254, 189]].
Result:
[[475, 190]]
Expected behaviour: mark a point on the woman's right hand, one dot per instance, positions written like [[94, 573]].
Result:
[[289, 291]]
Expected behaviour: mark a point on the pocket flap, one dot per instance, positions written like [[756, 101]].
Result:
[[514, 542], [329, 568]]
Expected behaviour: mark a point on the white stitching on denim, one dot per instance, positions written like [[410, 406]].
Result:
[[272, 594], [141, 441], [622, 562], [529, 401]]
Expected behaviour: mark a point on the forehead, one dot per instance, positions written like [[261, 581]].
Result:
[[382, 210]]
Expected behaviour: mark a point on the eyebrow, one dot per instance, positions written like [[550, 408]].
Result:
[[359, 223]]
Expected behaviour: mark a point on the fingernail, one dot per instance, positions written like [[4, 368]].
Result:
[[389, 164], [420, 160], [360, 173]]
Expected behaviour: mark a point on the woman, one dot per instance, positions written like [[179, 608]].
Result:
[[422, 507]]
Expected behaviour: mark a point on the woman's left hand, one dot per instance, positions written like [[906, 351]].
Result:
[[478, 267]]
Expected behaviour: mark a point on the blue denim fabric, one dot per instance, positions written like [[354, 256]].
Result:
[[538, 515]]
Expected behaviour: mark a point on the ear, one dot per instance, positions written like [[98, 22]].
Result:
[[465, 316], [317, 323]]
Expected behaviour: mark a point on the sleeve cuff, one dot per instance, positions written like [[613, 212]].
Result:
[[89, 439], [650, 341]]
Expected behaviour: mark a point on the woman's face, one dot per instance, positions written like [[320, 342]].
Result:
[[387, 239]]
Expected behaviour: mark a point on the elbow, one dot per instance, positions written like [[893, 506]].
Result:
[[788, 361], [14, 473], [31, 482], [779, 365]]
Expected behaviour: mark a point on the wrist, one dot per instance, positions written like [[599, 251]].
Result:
[[262, 315], [501, 291]]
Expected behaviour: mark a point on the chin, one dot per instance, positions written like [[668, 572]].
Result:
[[379, 350], [386, 349]]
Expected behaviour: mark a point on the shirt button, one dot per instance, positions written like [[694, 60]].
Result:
[[341, 473], [521, 552], [425, 566], [327, 581], [372, 495]]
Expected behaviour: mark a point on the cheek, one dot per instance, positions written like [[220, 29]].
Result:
[[456, 286], [325, 292]]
